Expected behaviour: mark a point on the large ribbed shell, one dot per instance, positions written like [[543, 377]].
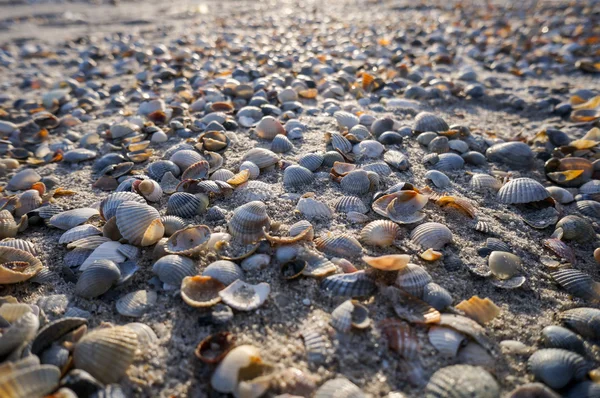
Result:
[[449, 162], [28, 201], [100, 276], [281, 144], [462, 381], [585, 321], [245, 297], [224, 271], [522, 190], [356, 284], [156, 170], [30, 381], [72, 218], [591, 187], [106, 353], [554, 336], [346, 204], [577, 283], [514, 154], [109, 205], [311, 161], [339, 388], [412, 279], [139, 223], [589, 208], [431, 235], [438, 178], [248, 221], [345, 119], [426, 121], [186, 205], [380, 233], [557, 367], [339, 245], [483, 182], [356, 182], [79, 232], [396, 159], [313, 209], [261, 157], [339, 142], [295, 176], [269, 127], [17, 265], [172, 269], [136, 304], [186, 158], [447, 341]]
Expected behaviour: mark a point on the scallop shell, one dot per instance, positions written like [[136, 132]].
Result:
[[589, 208], [577, 283], [224, 271], [109, 205], [462, 381], [346, 204], [396, 159], [136, 304], [294, 176], [514, 154], [29, 381], [188, 241], [445, 340], [426, 121], [245, 297], [431, 235], [79, 232], [483, 182], [480, 310], [330, 157], [261, 157], [171, 269], [559, 337], [356, 284], [381, 233], [185, 158], [556, 367], [187, 205], [172, 224], [106, 353], [400, 338], [412, 279], [585, 321], [449, 162], [381, 169], [350, 314], [223, 175], [97, 279], [339, 245], [522, 190], [313, 209], [17, 265], [71, 218], [311, 161], [281, 144], [139, 223], [201, 291], [436, 296], [299, 230], [248, 221], [269, 127], [345, 119]]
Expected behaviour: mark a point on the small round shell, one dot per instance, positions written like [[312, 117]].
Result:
[[574, 228], [381, 233], [462, 381], [577, 283], [150, 190], [245, 297], [224, 271], [449, 162], [248, 221], [79, 232], [413, 279], [561, 195], [504, 265], [554, 336], [171, 269], [295, 176], [22, 180], [436, 296], [431, 235], [339, 388], [251, 167], [345, 119], [240, 360], [356, 182], [100, 276], [281, 144], [136, 304], [172, 224], [522, 190], [311, 161], [185, 158], [589, 208], [350, 314], [17, 265], [30, 381], [438, 178]]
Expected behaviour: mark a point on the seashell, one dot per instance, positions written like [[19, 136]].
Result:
[[20, 244], [91, 242], [79, 232], [248, 222], [311, 161], [269, 127], [347, 204], [560, 249], [315, 345], [504, 265], [256, 262], [381, 233], [149, 189], [426, 121], [436, 296], [356, 217], [574, 228], [431, 255], [339, 142], [47, 211], [382, 125], [515, 154], [317, 265], [449, 162], [171, 269], [390, 262], [345, 120], [97, 278], [468, 327], [241, 363], [356, 284], [184, 159], [512, 283], [522, 190], [224, 271], [439, 145], [71, 218], [350, 314], [30, 381], [245, 297], [109, 205], [445, 340], [76, 257], [473, 354], [292, 269], [589, 208], [136, 304], [17, 265], [431, 235], [215, 347], [412, 279], [294, 176], [21, 331], [8, 226], [577, 283], [214, 141], [281, 144], [187, 205], [493, 244], [438, 178], [583, 389], [483, 182], [585, 321], [340, 388], [313, 209], [426, 138], [28, 201], [23, 180], [157, 170], [79, 155], [400, 338], [201, 291], [339, 245], [401, 206], [172, 224], [458, 203], [299, 230], [380, 168], [261, 157], [329, 158], [396, 159], [139, 223], [369, 149], [480, 310], [223, 174], [556, 367], [106, 353], [561, 195], [590, 188], [251, 167], [462, 381], [188, 241], [559, 337]]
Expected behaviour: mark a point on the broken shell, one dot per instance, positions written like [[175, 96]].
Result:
[[201, 291], [426, 121], [100, 276], [188, 241], [171, 269], [245, 297], [213, 348], [504, 265], [139, 223], [522, 190], [248, 221], [431, 255], [556, 367], [150, 190], [340, 245], [350, 314], [17, 265], [431, 235], [390, 262], [480, 310], [458, 203], [292, 269], [136, 304], [445, 340], [381, 233]]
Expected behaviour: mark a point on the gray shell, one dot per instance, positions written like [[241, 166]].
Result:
[[136, 304], [589, 208], [339, 388], [79, 232], [72, 218], [224, 271], [590, 187], [172, 224], [449, 162], [347, 204], [554, 336], [438, 178], [585, 321], [431, 235], [557, 367], [577, 283], [186, 205], [462, 381], [294, 176], [261, 157], [171, 269], [281, 144], [522, 190], [436, 296], [514, 154], [396, 159], [356, 182], [413, 279], [382, 169], [311, 161], [109, 205], [426, 121], [156, 170], [356, 284]]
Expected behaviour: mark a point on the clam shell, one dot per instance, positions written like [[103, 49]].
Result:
[[462, 381], [72, 218], [556, 367], [339, 245], [17, 265], [483, 182], [22, 180], [356, 284], [251, 167], [346, 204], [185, 158], [381, 233], [345, 119], [139, 223], [468, 327], [426, 121], [589, 208], [522, 190], [396, 159], [157, 170], [480, 310], [330, 157], [412, 279], [55, 331], [315, 344], [449, 162], [356, 182], [186, 205], [559, 337], [436, 296], [513, 283], [145, 334], [79, 232], [339, 388], [447, 341], [150, 190], [240, 360], [439, 145], [514, 154], [431, 235], [109, 205], [172, 224], [168, 183], [350, 314], [20, 244], [294, 176], [585, 321], [311, 161], [90, 242], [400, 338], [248, 221], [8, 226], [281, 144], [577, 283], [381, 169], [201, 291], [269, 127], [171, 269], [261, 157], [410, 308], [438, 178], [20, 331], [313, 209], [574, 228], [224, 271], [188, 241], [214, 347], [245, 297], [106, 251], [590, 188], [317, 265], [30, 381], [76, 257], [300, 228], [136, 304], [222, 175], [504, 265], [97, 279], [28, 201], [106, 353]]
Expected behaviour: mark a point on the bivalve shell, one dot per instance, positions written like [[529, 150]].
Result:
[[577, 283], [554, 336], [139, 223], [585, 321], [356, 182], [462, 381], [171, 269], [313, 209], [447, 341], [356, 284], [449, 162], [248, 221], [426, 121], [339, 388], [261, 157], [346, 204], [245, 297], [574, 228], [97, 279], [17, 265], [29, 381], [557, 367], [136, 304], [413, 279], [269, 127], [514, 154], [72, 218], [339, 245], [311, 161], [295, 176], [224, 271], [350, 314], [431, 235], [109, 205], [522, 190], [381, 233], [185, 158], [79, 232], [188, 241], [201, 291], [281, 144]]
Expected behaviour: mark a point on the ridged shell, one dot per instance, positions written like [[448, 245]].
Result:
[[76, 257], [106, 353], [90, 242], [436, 296], [554, 336], [222, 175], [426, 121], [172, 224], [251, 167], [22, 180], [431, 235], [28, 201], [20, 244], [556, 367], [438, 178], [439, 145], [346, 204], [339, 388], [316, 345], [281, 144], [313, 209], [185, 158], [577, 283], [339, 245], [245, 297], [317, 265], [380, 168], [356, 182], [187, 205], [188, 241], [20, 331], [299, 229], [295, 176], [171, 269], [591, 187], [156, 170], [350, 314], [72, 218], [201, 291], [30, 381], [522, 190], [106, 251], [574, 228], [97, 279], [483, 182], [136, 304], [589, 208], [381, 233], [480, 310], [396, 159], [269, 127], [150, 190], [585, 321], [400, 338], [462, 381], [447, 341], [514, 154], [168, 183], [311, 161], [139, 223], [248, 221], [330, 157], [413, 279], [261, 157], [109, 205], [345, 119], [449, 162], [356, 284], [224, 271], [79, 232], [17, 265]]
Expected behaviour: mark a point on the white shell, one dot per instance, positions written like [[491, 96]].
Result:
[[139, 223], [245, 297], [313, 209], [106, 251], [224, 271], [431, 235], [72, 218], [79, 232], [135, 304], [225, 377]]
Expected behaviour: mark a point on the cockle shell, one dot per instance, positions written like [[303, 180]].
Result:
[[462, 381], [171, 269], [557, 367], [381, 233], [188, 241], [109, 205], [187, 205], [431, 235], [245, 297], [17, 265], [350, 314], [201, 291], [269, 127], [71, 218], [339, 244], [136, 304], [261, 157], [150, 190], [185, 158], [447, 341], [413, 279], [97, 279], [29, 381], [248, 221], [313, 209], [294, 176], [139, 223], [426, 121], [522, 190], [240, 361], [79, 232]]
